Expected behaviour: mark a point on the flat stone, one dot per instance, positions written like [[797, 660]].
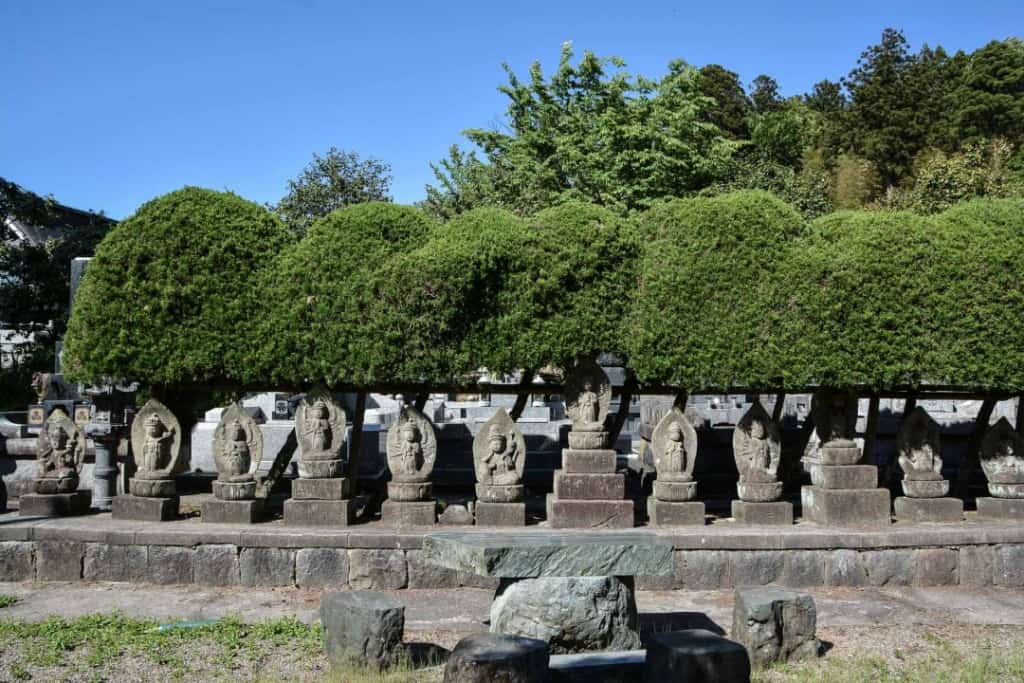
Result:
[[845, 568], [152, 488], [335, 488], [455, 515], [626, 666], [663, 513], [774, 625], [409, 513], [840, 455], [59, 560], [500, 514], [756, 567], [675, 491], [707, 569], [777, 513], [925, 488], [803, 568], [168, 564], [410, 491], [321, 568], [570, 486], [54, 504], [144, 509], [569, 613], [1008, 565], [975, 565], [846, 507], [598, 461], [928, 509], [423, 574], [535, 554], [216, 565], [935, 567], [16, 560], [844, 476], [307, 512], [695, 656], [1000, 508], [218, 511], [105, 562], [267, 566], [362, 627], [587, 441], [377, 568], [889, 567], [489, 657], [590, 514]]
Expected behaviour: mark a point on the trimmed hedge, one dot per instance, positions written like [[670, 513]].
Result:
[[170, 297], [726, 292]]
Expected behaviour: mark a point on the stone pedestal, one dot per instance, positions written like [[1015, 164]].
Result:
[[234, 490], [695, 655], [675, 513], [488, 657], [319, 502], [776, 513], [500, 514], [145, 509], [152, 488], [588, 492], [1001, 508], [909, 509], [842, 492], [231, 511], [409, 512], [53, 504]]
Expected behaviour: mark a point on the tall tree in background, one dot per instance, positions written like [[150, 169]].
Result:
[[732, 107], [990, 96], [764, 94], [329, 182]]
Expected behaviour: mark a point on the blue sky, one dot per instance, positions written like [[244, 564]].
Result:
[[107, 104]]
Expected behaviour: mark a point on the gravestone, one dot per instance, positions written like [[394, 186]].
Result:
[[499, 458], [588, 491], [60, 452], [757, 449], [321, 494], [237, 450], [1002, 459], [674, 445], [156, 447], [412, 451], [920, 458]]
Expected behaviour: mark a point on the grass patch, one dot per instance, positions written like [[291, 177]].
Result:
[[7, 600]]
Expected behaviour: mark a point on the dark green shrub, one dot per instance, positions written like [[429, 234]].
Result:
[[704, 315], [171, 297]]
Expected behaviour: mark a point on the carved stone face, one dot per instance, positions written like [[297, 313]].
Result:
[[497, 442], [756, 429], [154, 427], [237, 432], [320, 411], [58, 437], [410, 433], [675, 432]]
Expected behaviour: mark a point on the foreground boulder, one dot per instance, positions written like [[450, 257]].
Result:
[[496, 658], [362, 627], [775, 625], [695, 656]]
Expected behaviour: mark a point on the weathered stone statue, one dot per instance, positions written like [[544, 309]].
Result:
[[919, 450], [757, 449], [320, 428], [237, 450], [674, 444], [411, 451], [499, 459], [60, 452], [835, 418], [1002, 459], [588, 395], [156, 443]]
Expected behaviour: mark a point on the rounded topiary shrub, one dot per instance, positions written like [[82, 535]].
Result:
[[171, 296], [706, 311], [321, 311]]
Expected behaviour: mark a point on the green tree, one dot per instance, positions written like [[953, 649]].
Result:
[[732, 106], [990, 97], [463, 182], [764, 94], [329, 182]]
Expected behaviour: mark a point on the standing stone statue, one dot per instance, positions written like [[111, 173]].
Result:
[[320, 428], [156, 445], [60, 452], [237, 450], [499, 458], [588, 396], [919, 450], [835, 418], [674, 444], [757, 449], [1002, 459], [411, 452]]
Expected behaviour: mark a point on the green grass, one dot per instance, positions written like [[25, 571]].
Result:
[[7, 600]]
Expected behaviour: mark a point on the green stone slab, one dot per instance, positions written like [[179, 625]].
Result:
[[528, 555]]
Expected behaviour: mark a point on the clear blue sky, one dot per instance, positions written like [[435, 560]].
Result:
[[106, 104]]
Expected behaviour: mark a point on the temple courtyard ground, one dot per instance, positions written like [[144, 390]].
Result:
[[129, 632]]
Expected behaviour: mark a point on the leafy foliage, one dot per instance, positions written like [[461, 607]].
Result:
[[171, 294]]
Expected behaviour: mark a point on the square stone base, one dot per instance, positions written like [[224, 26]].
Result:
[[409, 512], [1001, 508], [844, 476], [589, 514], [846, 507], [144, 509], [775, 513], [597, 461], [928, 509], [320, 489], [500, 514], [54, 504], [304, 512], [684, 513], [231, 511], [572, 486]]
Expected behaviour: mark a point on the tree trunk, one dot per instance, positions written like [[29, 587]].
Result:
[[522, 399], [970, 460], [420, 401], [625, 399], [355, 446], [871, 431], [780, 406]]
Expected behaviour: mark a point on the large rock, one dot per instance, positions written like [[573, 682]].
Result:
[[775, 625], [495, 658], [695, 656], [571, 614], [362, 627]]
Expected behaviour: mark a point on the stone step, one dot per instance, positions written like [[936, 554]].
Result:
[[599, 461], [846, 507], [573, 486], [590, 514]]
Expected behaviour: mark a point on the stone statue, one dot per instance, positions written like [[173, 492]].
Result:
[[320, 428], [918, 446], [835, 417], [674, 443], [1002, 459], [757, 449], [60, 452], [588, 395], [237, 451], [412, 447], [156, 445], [499, 458]]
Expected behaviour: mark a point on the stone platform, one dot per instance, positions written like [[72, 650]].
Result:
[[721, 555]]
